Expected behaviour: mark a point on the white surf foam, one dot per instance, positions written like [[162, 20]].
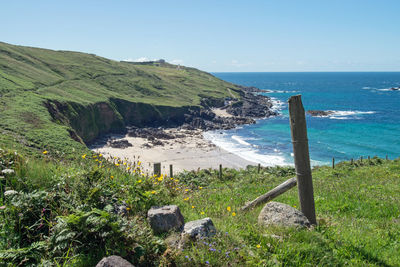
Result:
[[244, 150], [346, 114], [240, 140], [277, 105]]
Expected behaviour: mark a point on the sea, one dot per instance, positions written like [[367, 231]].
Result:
[[365, 120]]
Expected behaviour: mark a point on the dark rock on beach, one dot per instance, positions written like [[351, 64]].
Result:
[[320, 113], [119, 143]]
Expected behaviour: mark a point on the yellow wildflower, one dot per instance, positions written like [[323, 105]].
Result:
[[116, 164], [160, 178], [186, 199], [200, 187], [112, 177], [100, 155], [153, 192], [258, 246], [128, 208], [186, 190], [202, 213], [45, 152], [139, 181], [124, 163], [84, 156], [94, 156], [228, 208], [193, 207], [233, 214]]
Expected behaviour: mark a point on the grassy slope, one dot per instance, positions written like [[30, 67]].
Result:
[[31, 76], [357, 206]]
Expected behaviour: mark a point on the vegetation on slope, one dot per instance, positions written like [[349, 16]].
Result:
[[74, 213], [58, 99]]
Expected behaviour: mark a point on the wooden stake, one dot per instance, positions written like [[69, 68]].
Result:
[[171, 171], [157, 169], [361, 159], [259, 168], [333, 163], [220, 171], [352, 161], [387, 157], [298, 128], [277, 191]]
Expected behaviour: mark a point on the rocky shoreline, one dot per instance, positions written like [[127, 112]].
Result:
[[231, 114]]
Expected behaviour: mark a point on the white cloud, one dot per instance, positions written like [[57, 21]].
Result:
[[141, 59], [238, 64], [177, 61]]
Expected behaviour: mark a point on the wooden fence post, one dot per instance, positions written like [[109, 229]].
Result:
[[220, 171], [387, 157], [157, 169], [259, 168], [361, 159], [171, 171], [333, 163], [352, 161], [301, 157]]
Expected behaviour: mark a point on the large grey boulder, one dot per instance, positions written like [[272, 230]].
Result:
[[199, 229], [165, 219], [279, 214], [114, 261]]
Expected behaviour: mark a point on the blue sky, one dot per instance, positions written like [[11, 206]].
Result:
[[218, 35]]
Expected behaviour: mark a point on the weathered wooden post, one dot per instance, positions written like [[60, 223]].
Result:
[[298, 128], [361, 159], [157, 169], [333, 163], [220, 171], [387, 157], [171, 171], [352, 161], [369, 159], [259, 168]]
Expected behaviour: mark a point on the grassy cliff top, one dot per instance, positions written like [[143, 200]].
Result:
[[31, 77], [87, 78]]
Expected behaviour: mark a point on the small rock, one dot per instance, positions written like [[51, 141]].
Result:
[[7, 171], [279, 214], [114, 261], [199, 229], [164, 219]]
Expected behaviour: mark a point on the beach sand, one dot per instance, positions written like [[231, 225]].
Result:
[[189, 152]]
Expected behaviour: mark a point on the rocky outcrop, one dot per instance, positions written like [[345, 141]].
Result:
[[199, 229], [252, 104], [165, 219], [320, 113], [114, 261], [119, 143], [279, 214], [395, 88]]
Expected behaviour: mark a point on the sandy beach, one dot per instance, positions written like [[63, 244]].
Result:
[[188, 151]]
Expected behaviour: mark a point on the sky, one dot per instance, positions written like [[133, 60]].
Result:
[[217, 35]]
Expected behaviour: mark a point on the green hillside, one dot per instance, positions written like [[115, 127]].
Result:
[[88, 95]]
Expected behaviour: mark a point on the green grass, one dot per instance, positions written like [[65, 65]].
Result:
[[357, 206], [358, 213]]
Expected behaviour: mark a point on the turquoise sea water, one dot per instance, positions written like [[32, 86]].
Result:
[[366, 121]]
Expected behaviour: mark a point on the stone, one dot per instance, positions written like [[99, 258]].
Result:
[[114, 261], [199, 229], [279, 214], [320, 113], [164, 219], [119, 144]]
